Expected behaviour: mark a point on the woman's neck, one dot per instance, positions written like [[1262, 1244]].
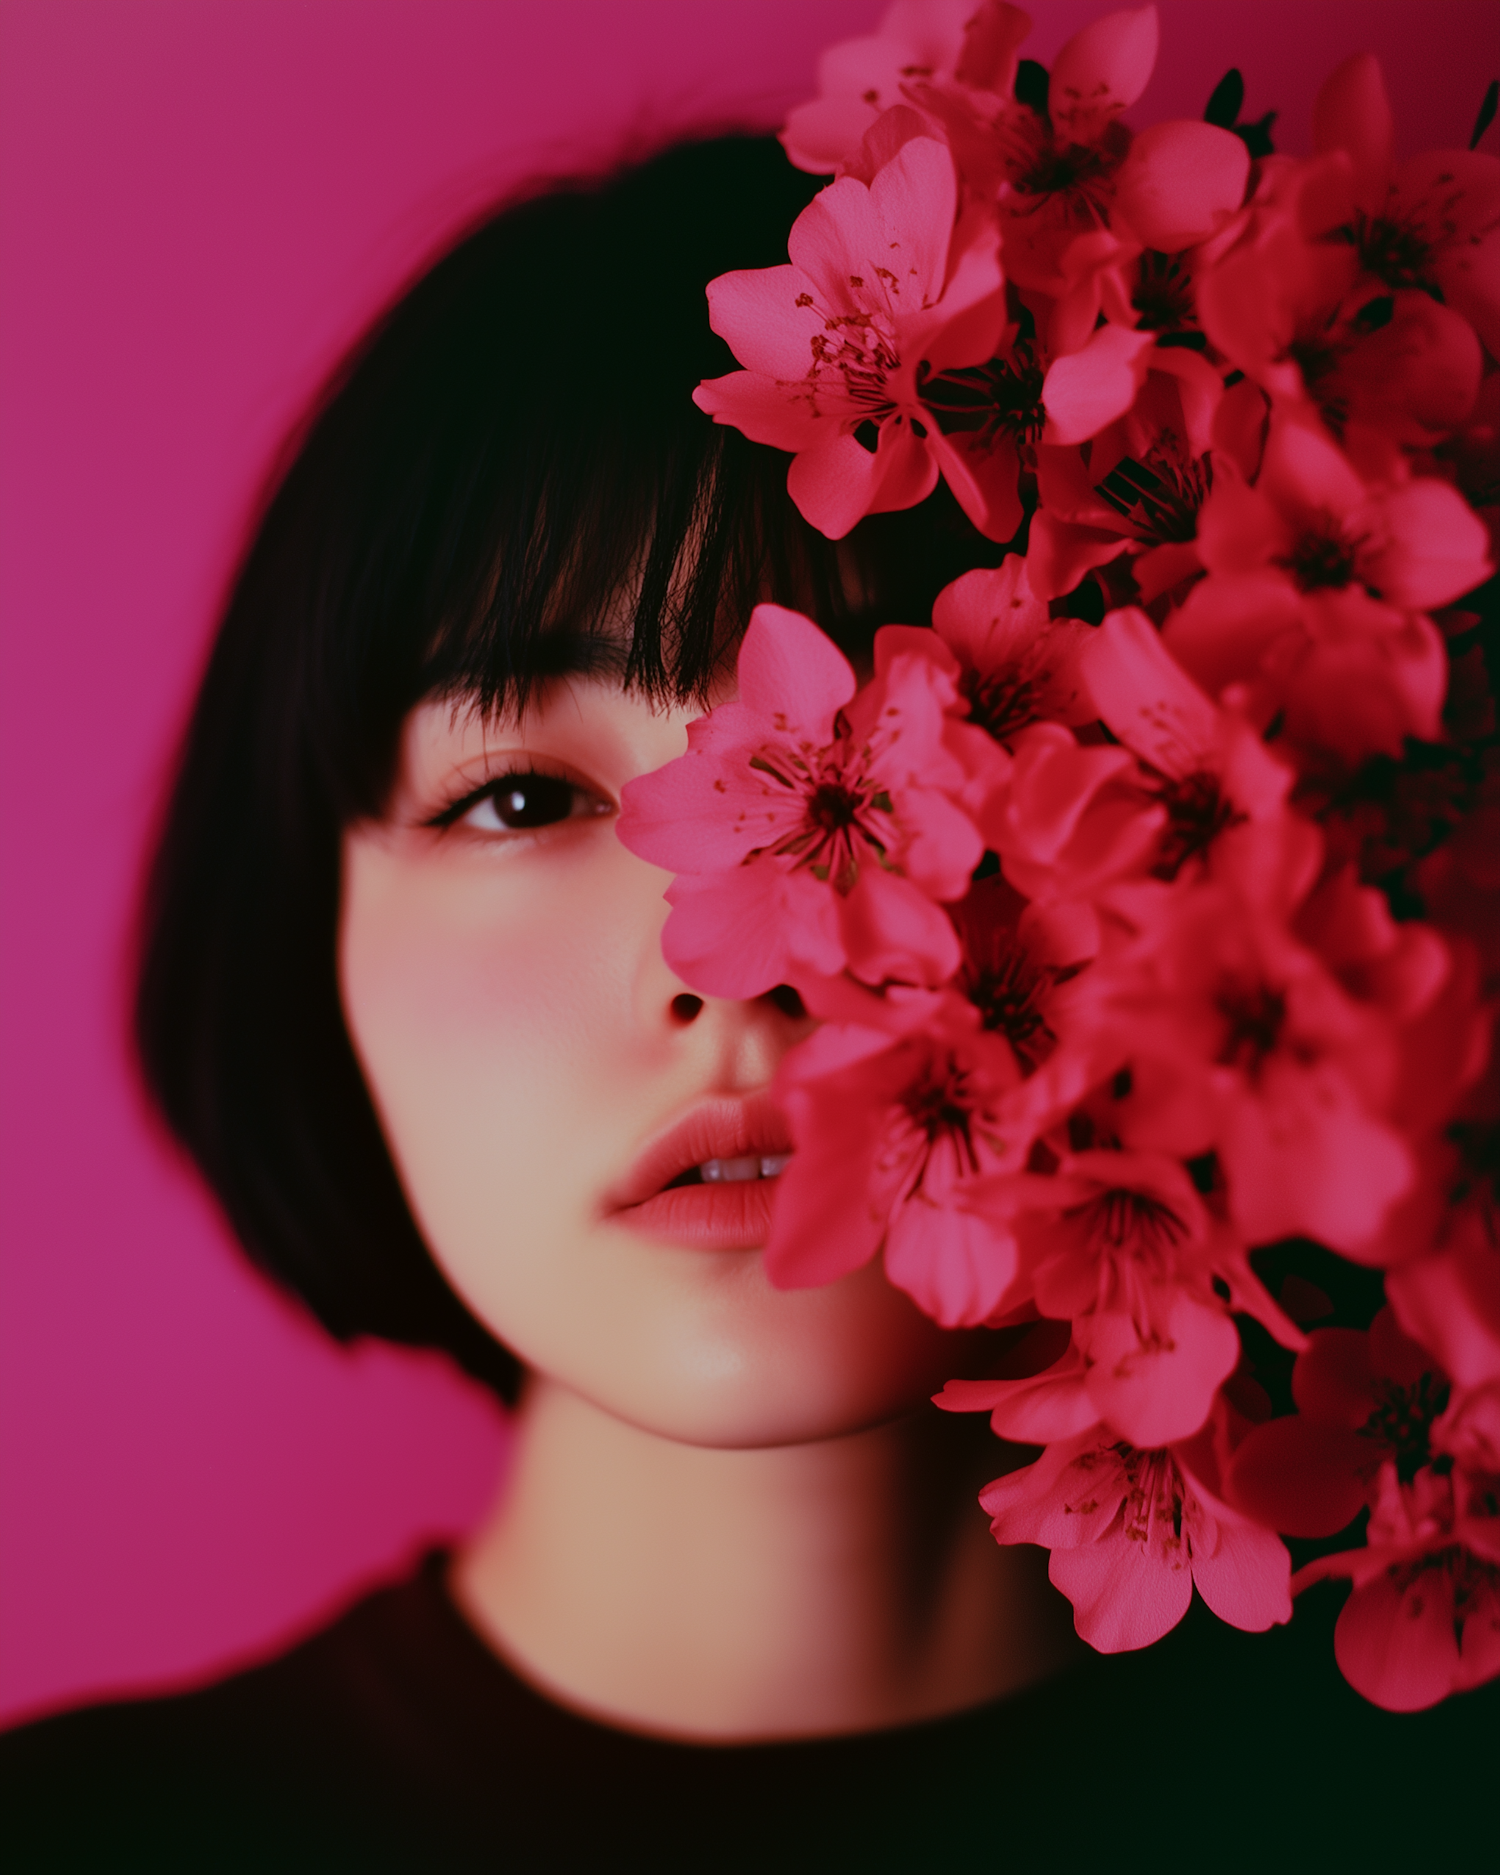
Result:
[[838, 1586]]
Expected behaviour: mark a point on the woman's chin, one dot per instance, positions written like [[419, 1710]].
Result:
[[728, 1360]]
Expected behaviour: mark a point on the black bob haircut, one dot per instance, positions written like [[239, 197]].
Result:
[[508, 453]]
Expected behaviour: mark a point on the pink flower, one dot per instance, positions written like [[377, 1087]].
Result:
[[916, 41], [1149, 413], [1060, 168], [1122, 1250], [1121, 1245], [1316, 596], [909, 1100], [887, 1134], [1020, 966], [1068, 820], [1432, 223], [1362, 1399], [1450, 1301], [1219, 793], [1019, 666], [1132, 1533], [811, 829], [838, 345], [1318, 528], [1077, 173], [1290, 308], [1073, 821], [1424, 1618], [1177, 186], [1241, 1042]]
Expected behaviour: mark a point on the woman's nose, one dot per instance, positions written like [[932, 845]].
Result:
[[686, 1007]]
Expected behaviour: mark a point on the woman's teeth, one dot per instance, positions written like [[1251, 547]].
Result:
[[731, 1171]]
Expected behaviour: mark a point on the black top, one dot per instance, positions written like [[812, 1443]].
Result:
[[394, 1739]]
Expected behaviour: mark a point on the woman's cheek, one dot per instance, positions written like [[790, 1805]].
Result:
[[474, 995]]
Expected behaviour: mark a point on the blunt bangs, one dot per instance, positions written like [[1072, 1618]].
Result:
[[520, 482]]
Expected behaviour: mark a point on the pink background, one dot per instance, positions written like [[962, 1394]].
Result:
[[200, 202]]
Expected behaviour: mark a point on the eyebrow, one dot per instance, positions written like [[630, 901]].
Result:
[[600, 652], [570, 650]]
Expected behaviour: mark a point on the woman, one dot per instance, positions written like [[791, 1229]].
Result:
[[402, 997]]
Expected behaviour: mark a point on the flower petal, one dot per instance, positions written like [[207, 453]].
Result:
[[762, 409], [767, 317], [1180, 182], [839, 482], [1430, 548], [1158, 1387], [727, 935], [1246, 1579], [914, 199], [1353, 114], [790, 670], [891, 929], [955, 1265], [1088, 389], [1145, 696], [1124, 1595], [1300, 1477], [1100, 71], [1394, 1640]]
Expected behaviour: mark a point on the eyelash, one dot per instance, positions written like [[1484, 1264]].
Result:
[[491, 791]]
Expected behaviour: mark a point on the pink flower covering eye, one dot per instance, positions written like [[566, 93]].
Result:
[[813, 830], [1148, 901]]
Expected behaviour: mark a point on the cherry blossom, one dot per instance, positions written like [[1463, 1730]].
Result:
[[1363, 1399], [1316, 595], [916, 41], [1018, 665], [1432, 223], [1132, 1533], [1069, 819], [1019, 968], [1074, 175], [1141, 947], [1193, 788], [1423, 1620], [1243, 1043], [810, 829], [1316, 526], [1059, 169], [1121, 1245], [1148, 413], [907, 1123], [837, 345], [1216, 789], [1293, 311], [1121, 1250]]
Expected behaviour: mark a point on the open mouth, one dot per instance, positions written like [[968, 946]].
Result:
[[732, 1171], [708, 1180]]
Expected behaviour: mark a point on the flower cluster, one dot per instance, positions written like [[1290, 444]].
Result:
[[1148, 899]]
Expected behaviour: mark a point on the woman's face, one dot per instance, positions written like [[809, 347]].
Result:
[[540, 1073]]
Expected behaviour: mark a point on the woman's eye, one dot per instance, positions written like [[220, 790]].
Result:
[[516, 803]]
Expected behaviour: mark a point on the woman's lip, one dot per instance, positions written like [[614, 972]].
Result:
[[723, 1127], [705, 1217]]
